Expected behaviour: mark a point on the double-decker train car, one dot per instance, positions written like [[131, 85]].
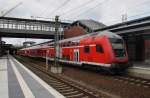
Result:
[[101, 49]]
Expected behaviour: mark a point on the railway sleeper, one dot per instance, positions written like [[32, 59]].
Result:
[[80, 95], [60, 86], [70, 93], [54, 81], [148, 83], [63, 88], [86, 97], [138, 82], [73, 94], [66, 90]]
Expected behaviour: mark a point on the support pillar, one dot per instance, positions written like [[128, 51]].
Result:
[[56, 68]]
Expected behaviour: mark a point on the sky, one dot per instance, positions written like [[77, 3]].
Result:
[[106, 11]]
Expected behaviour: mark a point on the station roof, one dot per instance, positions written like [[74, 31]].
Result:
[[90, 24], [131, 26]]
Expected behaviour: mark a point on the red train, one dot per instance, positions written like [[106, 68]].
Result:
[[101, 49]]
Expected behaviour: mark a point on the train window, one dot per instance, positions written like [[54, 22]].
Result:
[[116, 43], [99, 48], [86, 49]]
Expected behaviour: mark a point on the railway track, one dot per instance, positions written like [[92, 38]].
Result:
[[67, 88], [110, 86], [134, 81]]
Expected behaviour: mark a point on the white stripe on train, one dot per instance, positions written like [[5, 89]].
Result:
[[82, 62]]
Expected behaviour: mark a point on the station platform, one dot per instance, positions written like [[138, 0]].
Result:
[[140, 70], [17, 81]]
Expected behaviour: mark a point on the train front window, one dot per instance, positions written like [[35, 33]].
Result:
[[116, 43], [118, 47]]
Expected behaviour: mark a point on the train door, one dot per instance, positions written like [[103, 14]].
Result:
[[76, 55]]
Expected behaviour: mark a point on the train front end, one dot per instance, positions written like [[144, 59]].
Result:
[[119, 54]]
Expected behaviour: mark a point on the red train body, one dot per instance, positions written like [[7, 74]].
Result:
[[101, 49]]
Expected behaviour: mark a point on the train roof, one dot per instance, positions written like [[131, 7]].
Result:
[[75, 39], [100, 33]]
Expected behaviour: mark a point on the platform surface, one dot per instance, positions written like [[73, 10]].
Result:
[[16, 81], [140, 69], [142, 64]]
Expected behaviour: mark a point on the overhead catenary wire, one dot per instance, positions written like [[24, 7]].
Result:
[[88, 10], [135, 16], [137, 6], [75, 8], [114, 21], [10, 10], [59, 7]]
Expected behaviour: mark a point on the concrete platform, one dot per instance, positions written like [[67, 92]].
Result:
[[143, 72], [16, 81], [140, 69]]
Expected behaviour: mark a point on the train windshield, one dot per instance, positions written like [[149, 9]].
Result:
[[118, 47], [117, 43]]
